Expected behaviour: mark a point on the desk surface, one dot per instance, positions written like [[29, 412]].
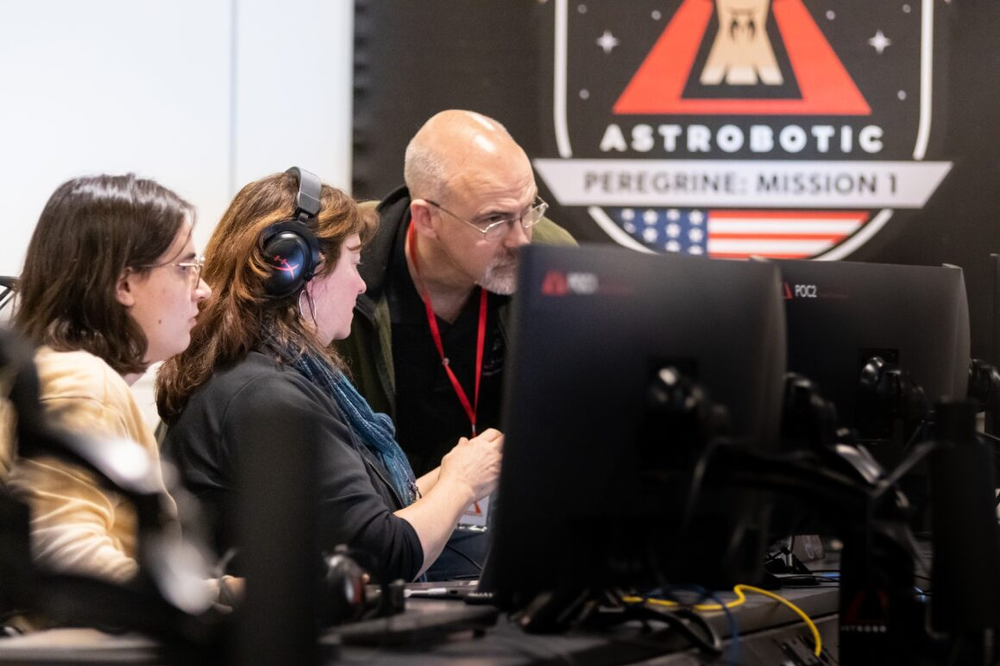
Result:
[[504, 644]]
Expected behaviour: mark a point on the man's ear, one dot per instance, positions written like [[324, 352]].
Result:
[[422, 218], [123, 288]]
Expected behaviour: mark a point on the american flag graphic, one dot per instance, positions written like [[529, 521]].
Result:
[[738, 234]]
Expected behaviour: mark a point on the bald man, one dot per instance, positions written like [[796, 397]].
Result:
[[440, 274]]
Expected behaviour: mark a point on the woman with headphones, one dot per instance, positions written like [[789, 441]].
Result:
[[283, 265], [111, 284]]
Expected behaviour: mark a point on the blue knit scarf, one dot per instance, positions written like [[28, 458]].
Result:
[[375, 430]]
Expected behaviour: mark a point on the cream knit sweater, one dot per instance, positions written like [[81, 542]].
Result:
[[77, 525]]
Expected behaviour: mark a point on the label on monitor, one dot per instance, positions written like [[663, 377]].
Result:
[[476, 514]]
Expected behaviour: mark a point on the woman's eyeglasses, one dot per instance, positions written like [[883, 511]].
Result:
[[192, 269]]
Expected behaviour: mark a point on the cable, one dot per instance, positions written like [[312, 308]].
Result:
[[806, 581], [588, 611], [740, 600], [734, 631], [914, 456], [674, 619], [798, 611], [479, 567], [916, 432]]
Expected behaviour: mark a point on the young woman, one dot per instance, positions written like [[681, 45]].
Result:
[[261, 358], [111, 284]]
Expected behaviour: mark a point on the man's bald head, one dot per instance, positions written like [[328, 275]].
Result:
[[455, 145]]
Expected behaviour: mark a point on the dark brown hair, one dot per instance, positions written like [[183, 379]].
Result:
[[239, 314], [91, 230]]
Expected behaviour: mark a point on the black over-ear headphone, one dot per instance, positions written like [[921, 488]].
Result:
[[346, 594], [290, 247]]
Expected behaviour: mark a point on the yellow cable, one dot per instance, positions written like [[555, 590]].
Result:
[[740, 599], [798, 611]]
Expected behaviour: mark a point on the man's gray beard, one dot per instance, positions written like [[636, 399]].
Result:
[[501, 275]]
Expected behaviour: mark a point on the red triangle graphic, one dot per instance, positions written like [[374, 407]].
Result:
[[826, 87]]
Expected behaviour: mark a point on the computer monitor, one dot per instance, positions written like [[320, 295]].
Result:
[[595, 484], [993, 414], [841, 314]]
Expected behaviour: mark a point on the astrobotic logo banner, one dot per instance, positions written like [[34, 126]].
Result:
[[733, 128]]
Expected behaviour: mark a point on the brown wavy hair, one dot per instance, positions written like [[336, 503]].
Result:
[[239, 314], [91, 230]]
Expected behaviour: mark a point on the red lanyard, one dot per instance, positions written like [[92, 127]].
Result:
[[470, 408]]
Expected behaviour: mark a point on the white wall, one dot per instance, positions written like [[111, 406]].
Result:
[[201, 95], [294, 77]]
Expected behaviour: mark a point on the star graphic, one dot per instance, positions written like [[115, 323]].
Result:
[[879, 42], [607, 41]]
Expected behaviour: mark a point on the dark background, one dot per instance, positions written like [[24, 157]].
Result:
[[414, 58]]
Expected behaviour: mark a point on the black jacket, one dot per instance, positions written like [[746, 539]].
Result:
[[368, 349], [248, 405]]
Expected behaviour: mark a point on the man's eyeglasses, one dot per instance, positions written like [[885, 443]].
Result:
[[498, 226], [191, 269]]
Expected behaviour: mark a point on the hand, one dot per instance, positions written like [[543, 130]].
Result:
[[231, 592], [475, 463]]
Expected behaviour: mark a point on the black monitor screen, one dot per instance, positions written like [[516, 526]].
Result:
[[993, 413], [592, 488], [841, 314]]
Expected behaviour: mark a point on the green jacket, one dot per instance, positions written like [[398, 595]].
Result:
[[368, 350]]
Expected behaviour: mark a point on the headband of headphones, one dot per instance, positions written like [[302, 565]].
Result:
[[307, 201]]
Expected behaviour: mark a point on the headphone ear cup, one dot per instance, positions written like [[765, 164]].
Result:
[[290, 247], [344, 596], [292, 254], [285, 254]]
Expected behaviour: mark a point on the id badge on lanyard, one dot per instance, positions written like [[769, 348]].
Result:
[[477, 514]]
